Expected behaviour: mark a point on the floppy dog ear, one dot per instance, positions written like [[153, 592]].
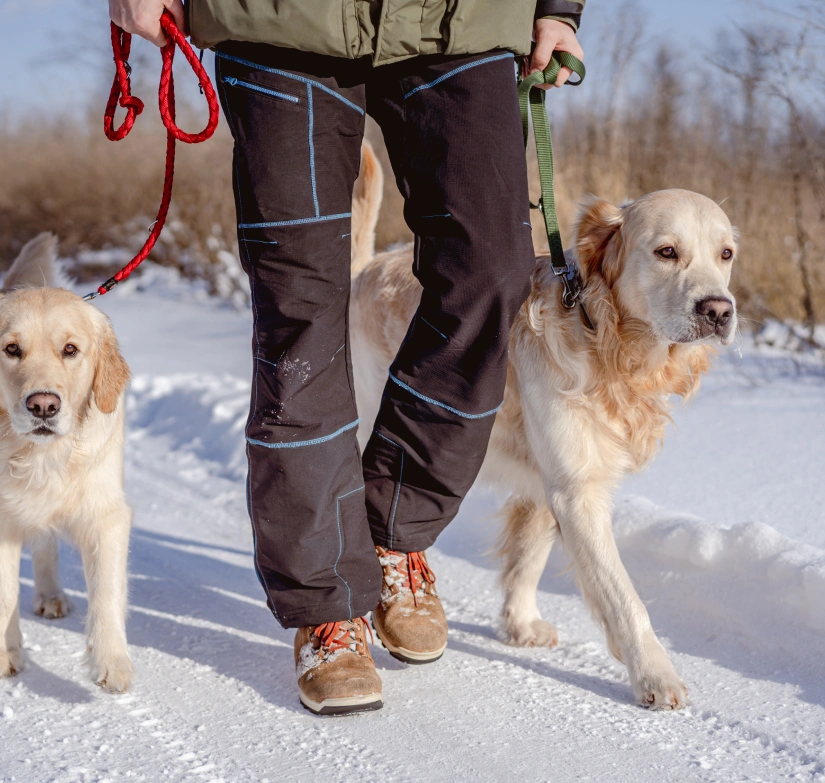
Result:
[[598, 224], [111, 371]]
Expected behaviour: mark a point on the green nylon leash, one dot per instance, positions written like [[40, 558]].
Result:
[[532, 102]]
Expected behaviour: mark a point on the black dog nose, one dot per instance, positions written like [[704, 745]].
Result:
[[717, 311], [42, 405]]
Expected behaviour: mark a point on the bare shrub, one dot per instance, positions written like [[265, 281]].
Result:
[[722, 130], [68, 178]]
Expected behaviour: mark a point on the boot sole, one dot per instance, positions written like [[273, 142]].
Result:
[[346, 705], [402, 653]]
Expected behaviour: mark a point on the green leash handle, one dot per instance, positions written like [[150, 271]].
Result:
[[532, 102]]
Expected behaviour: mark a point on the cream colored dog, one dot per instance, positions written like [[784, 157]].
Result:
[[62, 383], [581, 409]]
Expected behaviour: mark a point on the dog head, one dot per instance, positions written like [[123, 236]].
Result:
[[667, 259], [58, 354]]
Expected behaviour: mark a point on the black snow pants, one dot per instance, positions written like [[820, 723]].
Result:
[[453, 131]]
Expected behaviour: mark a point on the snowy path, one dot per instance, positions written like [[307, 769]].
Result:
[[742, 609]]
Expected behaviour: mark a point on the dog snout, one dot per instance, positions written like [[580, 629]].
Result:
[[43, 405], [716, 312]]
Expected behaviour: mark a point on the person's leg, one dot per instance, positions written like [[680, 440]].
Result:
[[298, 124], [453, 130]]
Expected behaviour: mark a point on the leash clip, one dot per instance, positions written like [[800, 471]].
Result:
[[573, 290], [573, 284], [103, 289]]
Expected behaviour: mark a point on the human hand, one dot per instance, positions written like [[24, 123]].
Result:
[[142, 17], [551, 35]]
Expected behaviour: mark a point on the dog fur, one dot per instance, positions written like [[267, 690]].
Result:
[[62, 475], [581, 409]]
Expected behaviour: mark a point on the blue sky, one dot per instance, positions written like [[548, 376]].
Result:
[[50, 50]]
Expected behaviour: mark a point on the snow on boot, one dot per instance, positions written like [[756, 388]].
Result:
[[336, 673], [409, 621]]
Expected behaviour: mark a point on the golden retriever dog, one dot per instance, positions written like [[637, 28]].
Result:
[[581, 408], [62, 384]]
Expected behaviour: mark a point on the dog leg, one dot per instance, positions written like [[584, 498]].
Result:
[[11, 640], [104, 550], [524, 547], [584, 514], [579, 474], [49, 599]]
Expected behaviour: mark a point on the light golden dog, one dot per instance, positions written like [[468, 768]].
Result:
[[62, 383], [581, 409]]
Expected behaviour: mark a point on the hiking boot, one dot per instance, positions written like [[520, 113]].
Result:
[[336, 673], [409, 621]]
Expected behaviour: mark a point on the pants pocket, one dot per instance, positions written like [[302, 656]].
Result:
[[260, 90]]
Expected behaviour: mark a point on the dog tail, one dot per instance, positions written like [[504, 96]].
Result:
[[37, 266], [366, 204]]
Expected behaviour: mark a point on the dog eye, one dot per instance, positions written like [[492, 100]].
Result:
[[727, 254], [69, 349], [667, 252], [13, 349]]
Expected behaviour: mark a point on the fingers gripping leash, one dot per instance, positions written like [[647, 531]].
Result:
[[121, 95]]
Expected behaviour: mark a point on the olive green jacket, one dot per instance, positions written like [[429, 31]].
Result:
[[385, 30]]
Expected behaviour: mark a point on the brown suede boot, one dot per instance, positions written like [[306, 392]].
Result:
[[409, 621], [336, 673]]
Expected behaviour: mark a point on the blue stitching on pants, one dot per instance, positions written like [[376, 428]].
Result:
[[312, 150], [461, 68], [398, 486], [427, 217], [297, 222], [341, 546], [444, 405], [293, 76], [295, 444], [424, 320], [261, 241]]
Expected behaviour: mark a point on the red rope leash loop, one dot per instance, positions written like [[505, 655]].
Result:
[[121, 92], [166, 93], [121, 95]]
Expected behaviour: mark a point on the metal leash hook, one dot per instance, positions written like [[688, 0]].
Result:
[[121, 95]]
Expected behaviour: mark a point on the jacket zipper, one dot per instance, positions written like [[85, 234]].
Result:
[[283, 96]]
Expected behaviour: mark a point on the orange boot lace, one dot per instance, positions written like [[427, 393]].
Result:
[[341, 635], [413, 569]]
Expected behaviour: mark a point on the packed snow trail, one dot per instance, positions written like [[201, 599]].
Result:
[[741, 607]]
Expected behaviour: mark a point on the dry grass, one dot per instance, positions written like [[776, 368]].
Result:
[[95, 194], [68, 178]]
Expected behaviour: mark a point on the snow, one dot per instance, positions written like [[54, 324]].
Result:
[[724, 537]]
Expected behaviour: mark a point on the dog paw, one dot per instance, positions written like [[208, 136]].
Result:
[[668, 694], [658, 686], [11, 662], [115, 674], [52, 606], [535, 633]]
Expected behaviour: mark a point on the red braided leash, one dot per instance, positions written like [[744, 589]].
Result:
[[121, 95]]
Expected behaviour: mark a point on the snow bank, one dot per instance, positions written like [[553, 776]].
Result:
[[204, 416], [200, 415], [752, 566]]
